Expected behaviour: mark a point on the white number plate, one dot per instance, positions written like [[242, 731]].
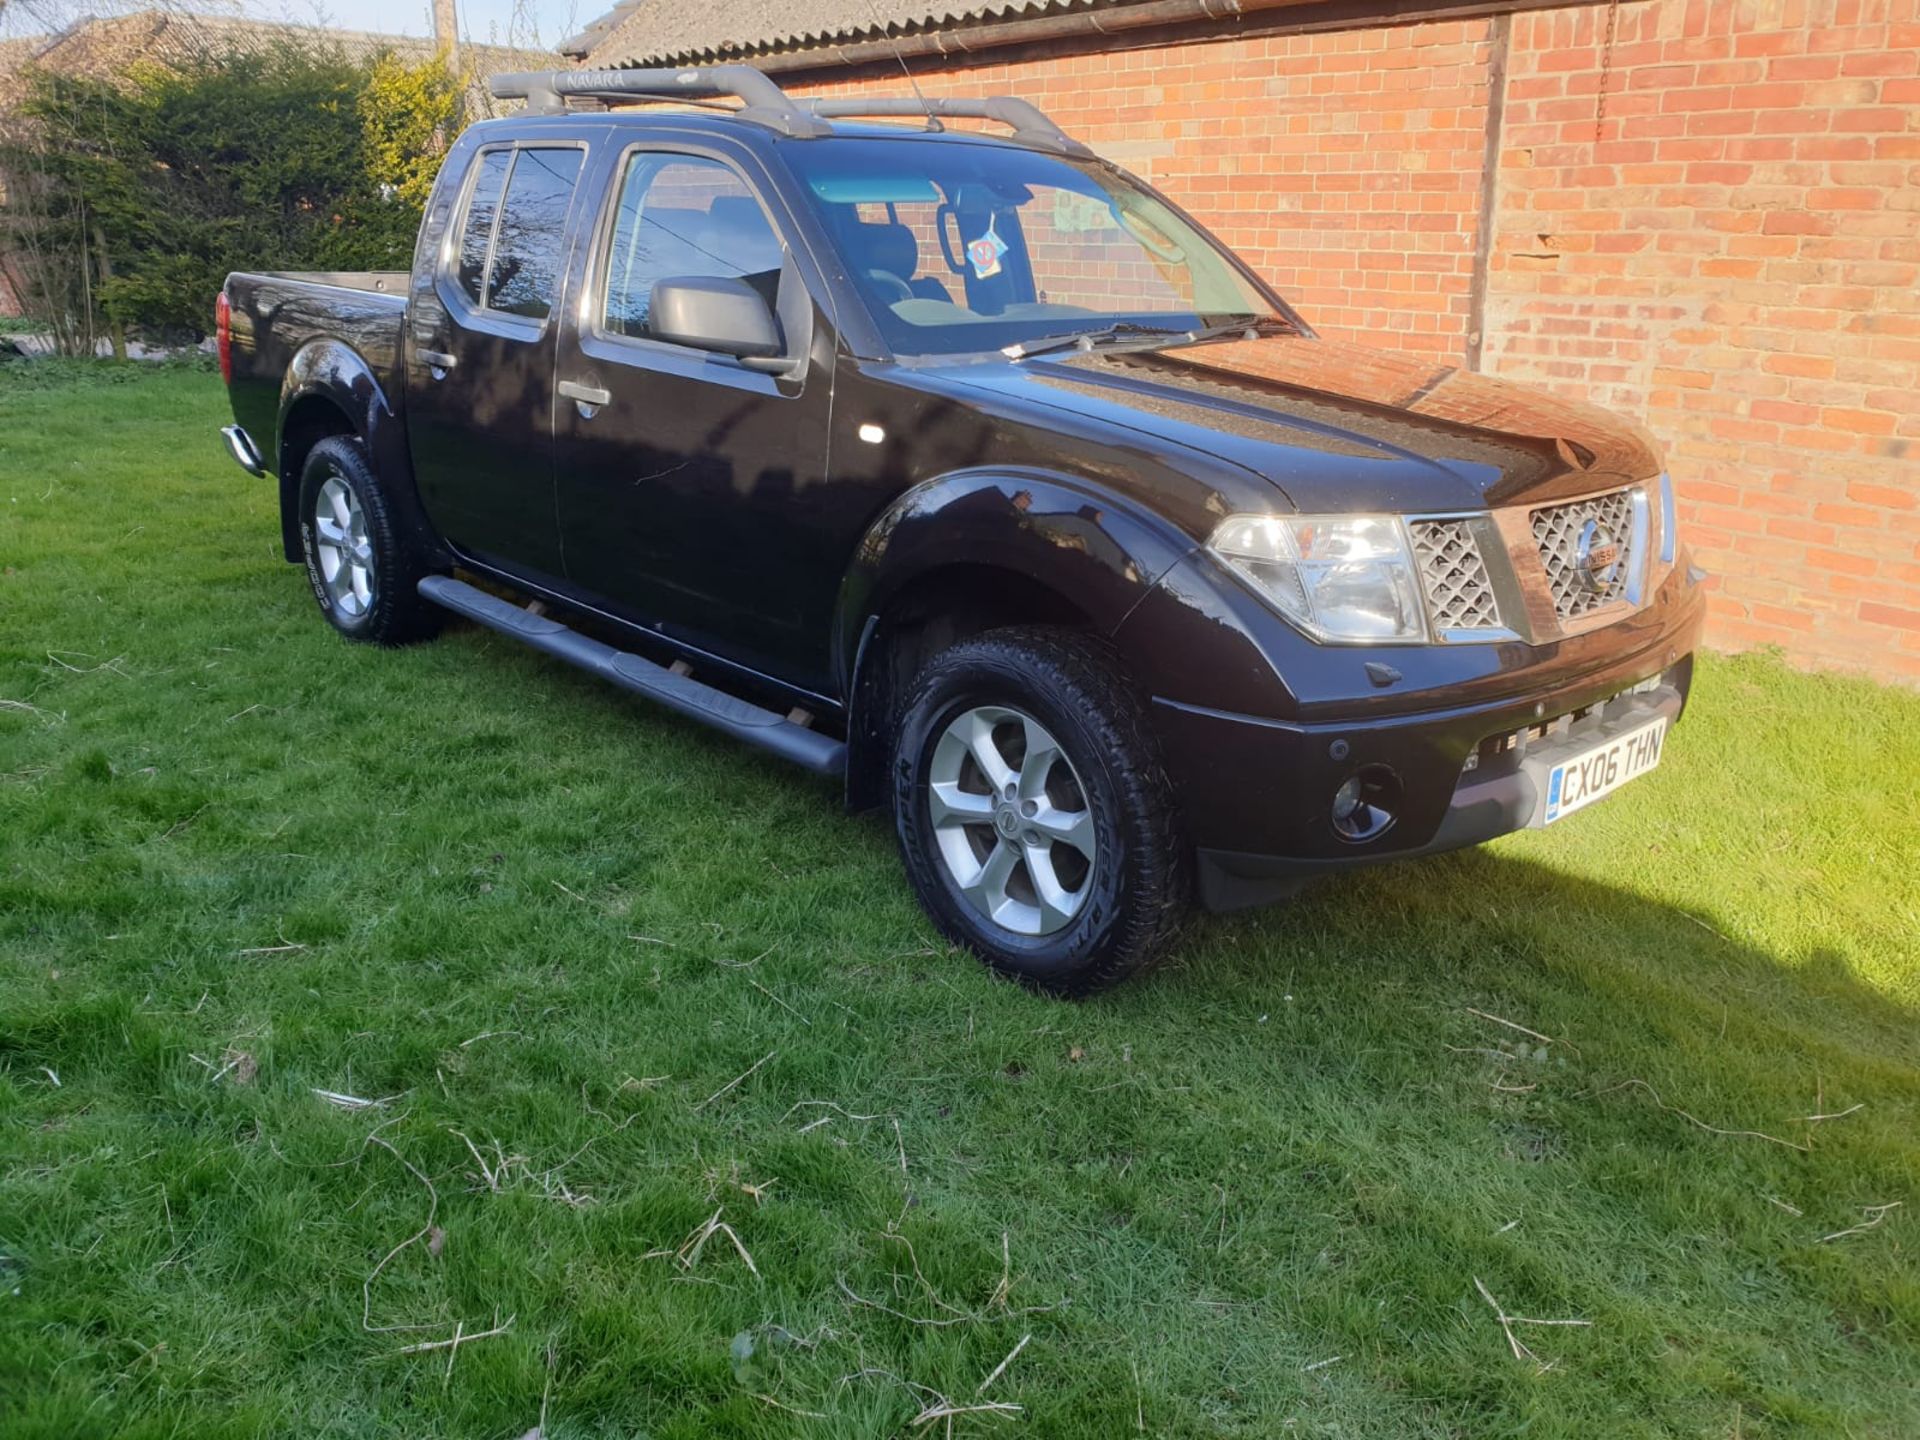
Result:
[[1574, 784]]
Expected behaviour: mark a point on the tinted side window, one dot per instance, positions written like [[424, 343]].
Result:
[[476, 235], [683, 216], [533, 227]]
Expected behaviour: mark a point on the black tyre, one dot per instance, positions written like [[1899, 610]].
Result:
[[362, 567], [1034, 815]]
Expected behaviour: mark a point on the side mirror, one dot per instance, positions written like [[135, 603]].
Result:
[[714, 313]]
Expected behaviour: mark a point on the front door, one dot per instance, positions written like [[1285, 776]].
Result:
[[480, 355], [689, 484]]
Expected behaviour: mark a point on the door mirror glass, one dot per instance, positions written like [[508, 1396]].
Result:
[[712, 312]]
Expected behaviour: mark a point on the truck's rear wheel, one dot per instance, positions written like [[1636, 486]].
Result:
[[359, 562], [1036, 822]]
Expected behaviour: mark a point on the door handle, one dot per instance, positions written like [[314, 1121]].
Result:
[[584, 394], [438, 359]]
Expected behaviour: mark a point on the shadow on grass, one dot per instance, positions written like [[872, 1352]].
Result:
[[1581, 959], [1485, 914]]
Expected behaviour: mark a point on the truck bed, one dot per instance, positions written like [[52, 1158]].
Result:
[[393, 282], [276, 314]]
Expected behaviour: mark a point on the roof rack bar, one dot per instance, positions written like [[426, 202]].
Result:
[[1029, 123], [547, 91]]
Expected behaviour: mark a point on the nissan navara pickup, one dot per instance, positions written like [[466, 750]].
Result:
[[963, 467]]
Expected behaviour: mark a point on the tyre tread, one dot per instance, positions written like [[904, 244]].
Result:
[[1085, 674], [400, 615]]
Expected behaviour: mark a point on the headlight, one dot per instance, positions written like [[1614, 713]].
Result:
[[1669, 524], [1344, 578]]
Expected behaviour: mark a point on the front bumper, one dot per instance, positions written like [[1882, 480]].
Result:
[[1501, 793], [1257, 793]]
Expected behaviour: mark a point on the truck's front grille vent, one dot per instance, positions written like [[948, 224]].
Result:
[[1587, 550], [1454, 577]]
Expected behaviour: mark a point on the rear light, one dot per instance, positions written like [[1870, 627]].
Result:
[[223, 336]]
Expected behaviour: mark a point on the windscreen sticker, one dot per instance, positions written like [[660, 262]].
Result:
[[985, 253]]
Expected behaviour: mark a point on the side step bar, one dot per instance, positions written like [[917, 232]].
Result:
[[744, 721]]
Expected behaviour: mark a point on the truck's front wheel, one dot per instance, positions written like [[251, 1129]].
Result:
[[1036, 822], [359, 563]]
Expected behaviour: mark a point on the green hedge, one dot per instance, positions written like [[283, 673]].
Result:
[[155, 184]]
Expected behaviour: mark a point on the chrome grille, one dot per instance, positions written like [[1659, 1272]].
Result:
[[1558, 531], [1458, 590]]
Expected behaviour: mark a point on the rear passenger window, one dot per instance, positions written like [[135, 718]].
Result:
[[533, 227], [680, 216], [483, 204], [510, 250]]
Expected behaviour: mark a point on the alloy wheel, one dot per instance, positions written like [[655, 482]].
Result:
[[1012, 821], [341, 545]]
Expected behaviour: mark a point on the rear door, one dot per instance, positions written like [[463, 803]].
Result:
[[692, 494], [480, 351]]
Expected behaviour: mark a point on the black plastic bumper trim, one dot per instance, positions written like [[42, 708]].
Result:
[[1482, 809]]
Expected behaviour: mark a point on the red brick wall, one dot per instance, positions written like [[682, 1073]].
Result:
[[1735, 262]]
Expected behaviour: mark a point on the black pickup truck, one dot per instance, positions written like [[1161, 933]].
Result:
[[968, 470]]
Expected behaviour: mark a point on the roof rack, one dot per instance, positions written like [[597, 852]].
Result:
[[547, 92], [1028, 121], [764, 102]]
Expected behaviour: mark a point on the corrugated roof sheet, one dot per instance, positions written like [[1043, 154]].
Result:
[[673, 32]]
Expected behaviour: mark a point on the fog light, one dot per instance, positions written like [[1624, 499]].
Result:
[[1364, 805]]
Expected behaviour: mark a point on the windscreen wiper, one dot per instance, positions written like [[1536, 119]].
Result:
[[1250, 327], [1131, 335], [1098, 338]]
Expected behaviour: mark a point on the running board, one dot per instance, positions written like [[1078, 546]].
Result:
[[819, 753]]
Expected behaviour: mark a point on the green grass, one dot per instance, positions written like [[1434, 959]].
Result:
[[417, 875]]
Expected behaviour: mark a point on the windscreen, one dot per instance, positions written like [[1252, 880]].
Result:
[[968, 247]]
